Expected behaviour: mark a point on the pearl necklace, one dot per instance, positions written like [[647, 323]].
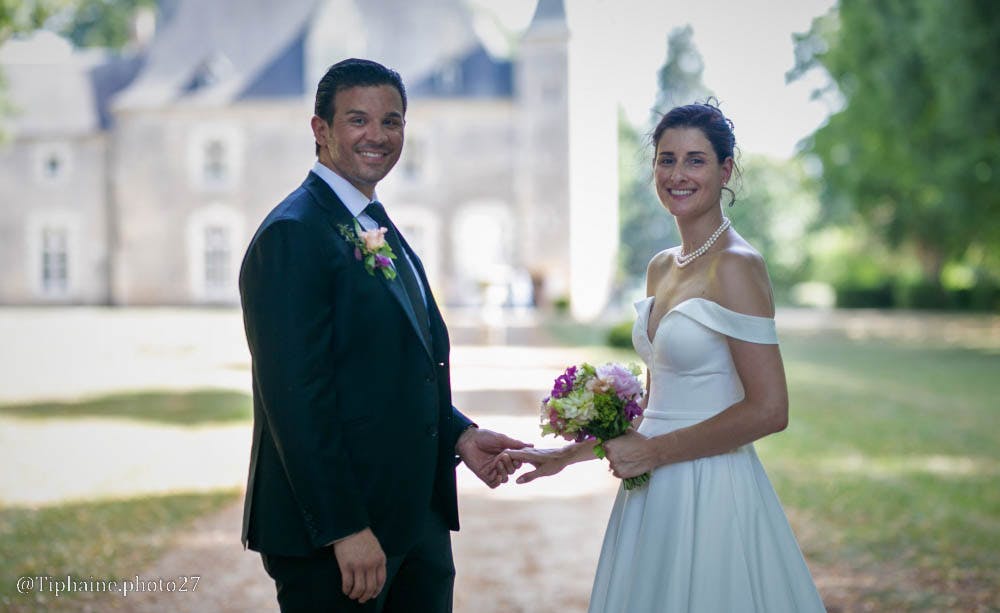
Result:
[[683, 260]]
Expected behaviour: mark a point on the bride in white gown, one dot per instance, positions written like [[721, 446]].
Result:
[[707, 533]]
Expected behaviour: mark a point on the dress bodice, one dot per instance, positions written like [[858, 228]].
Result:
[[690, 365]]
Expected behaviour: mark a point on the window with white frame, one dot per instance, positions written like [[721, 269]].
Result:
[[214, 241], [414, 158], [55, 261], [215, 163], [215, 156], [218, 259]]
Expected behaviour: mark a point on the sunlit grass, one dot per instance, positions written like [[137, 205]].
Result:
[[104, 540], [176, 408], [893, 449]]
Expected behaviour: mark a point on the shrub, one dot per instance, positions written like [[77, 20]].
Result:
[[865, 297], [620, 335]]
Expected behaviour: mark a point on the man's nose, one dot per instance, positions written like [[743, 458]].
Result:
[[376, 132]]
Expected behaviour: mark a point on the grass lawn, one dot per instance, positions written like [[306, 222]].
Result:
[[103, 540], [199, 407], [893, 449], [892, 456]]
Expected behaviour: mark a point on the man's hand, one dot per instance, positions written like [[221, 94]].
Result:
[[483, 452], [362, 565]]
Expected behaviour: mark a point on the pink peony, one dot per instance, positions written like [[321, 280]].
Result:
[[374, 239], [623, 382]]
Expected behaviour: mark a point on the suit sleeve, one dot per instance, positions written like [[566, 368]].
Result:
[[459, 424], [285, 288]]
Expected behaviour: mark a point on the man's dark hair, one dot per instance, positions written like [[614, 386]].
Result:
[[350, 73]]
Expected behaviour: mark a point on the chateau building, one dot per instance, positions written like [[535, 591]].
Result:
[[139, 178]]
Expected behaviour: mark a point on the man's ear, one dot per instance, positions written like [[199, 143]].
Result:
[[320, 130]]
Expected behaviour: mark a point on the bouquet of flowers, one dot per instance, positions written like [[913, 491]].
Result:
[[589, 403]]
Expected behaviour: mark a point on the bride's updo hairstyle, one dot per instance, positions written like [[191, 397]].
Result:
[[707, 117]]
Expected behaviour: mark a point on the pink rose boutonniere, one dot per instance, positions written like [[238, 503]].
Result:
[[370, 247]]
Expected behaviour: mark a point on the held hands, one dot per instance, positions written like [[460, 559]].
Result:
[[362, 565], [630, 455], [483, 451], [546, 461]]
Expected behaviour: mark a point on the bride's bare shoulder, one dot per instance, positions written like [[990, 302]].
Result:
[[741, 282], [662, 262]]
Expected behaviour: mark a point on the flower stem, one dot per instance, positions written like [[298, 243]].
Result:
[[635, 482]]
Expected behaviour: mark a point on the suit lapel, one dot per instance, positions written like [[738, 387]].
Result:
[[434, 316], [339, 214]]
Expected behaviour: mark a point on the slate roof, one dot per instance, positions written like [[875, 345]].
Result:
[[211, 51], [215, 52]]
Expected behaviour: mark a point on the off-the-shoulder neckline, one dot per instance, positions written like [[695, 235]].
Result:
[[651, 300]]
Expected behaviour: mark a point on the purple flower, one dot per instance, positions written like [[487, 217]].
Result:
[[632, 410], [357, 254], [382, 262], [564, 383]]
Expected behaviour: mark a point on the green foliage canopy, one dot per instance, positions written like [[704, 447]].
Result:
[[915, 148]]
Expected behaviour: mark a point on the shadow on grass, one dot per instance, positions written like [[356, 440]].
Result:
[[110, 539], [175, 408]]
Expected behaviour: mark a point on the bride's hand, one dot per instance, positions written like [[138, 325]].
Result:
[[630, 455], [546, 461]]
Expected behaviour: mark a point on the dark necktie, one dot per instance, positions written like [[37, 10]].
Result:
[[404, 272]]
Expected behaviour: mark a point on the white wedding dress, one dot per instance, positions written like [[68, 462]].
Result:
[[707, 535]]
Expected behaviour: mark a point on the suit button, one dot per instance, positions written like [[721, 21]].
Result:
[[432, 431]]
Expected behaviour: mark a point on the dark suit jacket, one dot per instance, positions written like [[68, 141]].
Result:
[[353, 421]]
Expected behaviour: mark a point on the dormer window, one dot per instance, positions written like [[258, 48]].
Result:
[[210, 71]]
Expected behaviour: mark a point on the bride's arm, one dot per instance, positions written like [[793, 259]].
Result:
[[763, 410], [551, 461]]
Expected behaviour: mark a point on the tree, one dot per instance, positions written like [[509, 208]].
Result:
[[645, 229], [103, 23], [775, 210], [17, 16], [680, 77], [915, 148]]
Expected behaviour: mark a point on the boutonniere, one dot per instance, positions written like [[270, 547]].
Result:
[[371, 247]]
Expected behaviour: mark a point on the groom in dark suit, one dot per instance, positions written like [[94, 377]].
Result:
[[351, 495]]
